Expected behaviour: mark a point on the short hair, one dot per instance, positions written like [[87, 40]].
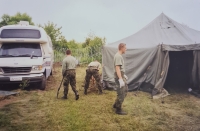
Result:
[[121, 45], [68, 52]]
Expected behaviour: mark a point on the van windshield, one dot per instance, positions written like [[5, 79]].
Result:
[[20, 50]]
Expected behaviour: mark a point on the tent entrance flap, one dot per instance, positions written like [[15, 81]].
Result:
[[180, 70]]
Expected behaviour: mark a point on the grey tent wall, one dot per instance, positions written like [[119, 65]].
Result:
[[142, 65], [163, 66], [181, 47], [108, 68], [196, 69]]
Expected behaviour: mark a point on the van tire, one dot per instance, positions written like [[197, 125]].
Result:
[[51, 73], [43, 83]]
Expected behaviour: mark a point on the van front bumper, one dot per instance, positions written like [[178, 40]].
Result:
[[31, 77]]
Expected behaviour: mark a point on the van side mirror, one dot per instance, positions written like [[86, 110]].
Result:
[[46, 56]]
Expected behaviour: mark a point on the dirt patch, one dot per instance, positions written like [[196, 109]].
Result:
[[7, 100], [52, 83]]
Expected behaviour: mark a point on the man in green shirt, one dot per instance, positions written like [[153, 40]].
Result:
[[120, 79], [69, 74]]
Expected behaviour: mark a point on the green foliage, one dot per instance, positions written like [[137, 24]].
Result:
[[10, 20], [86, 43], [5, 20], [94, 44], [85, 52], [72, 44], [55, 34], [24, 84], [93, 41], [4, 120]]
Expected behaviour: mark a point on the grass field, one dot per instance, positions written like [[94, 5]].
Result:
[[40, 111]]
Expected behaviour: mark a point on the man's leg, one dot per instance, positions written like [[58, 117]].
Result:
[[98, 80], [121, 92], [73, 83], [87, 80], [66, 86]]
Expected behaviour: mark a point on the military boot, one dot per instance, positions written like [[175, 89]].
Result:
[[64, 97], [100, 92], [76, 96], [119, 111], [114, 106], [85, 91]]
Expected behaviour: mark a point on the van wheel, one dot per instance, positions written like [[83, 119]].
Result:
[[43, 83], [51, 73]]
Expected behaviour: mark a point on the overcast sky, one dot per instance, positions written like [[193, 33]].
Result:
[[113, 19]]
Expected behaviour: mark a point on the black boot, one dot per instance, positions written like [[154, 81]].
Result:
[[64, 97], [119, 111], [85, 91], [100, 92], [114, 106], [76, 96]]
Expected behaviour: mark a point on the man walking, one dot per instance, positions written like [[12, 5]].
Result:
[[93, 70], [69, 74], [120, 79]]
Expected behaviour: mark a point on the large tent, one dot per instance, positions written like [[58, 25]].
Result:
[[151, 53]]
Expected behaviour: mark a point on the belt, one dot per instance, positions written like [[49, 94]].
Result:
[[92, 67], [71, 69]]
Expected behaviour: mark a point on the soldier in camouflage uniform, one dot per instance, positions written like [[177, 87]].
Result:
[[69, 74], [120, 79], [93, 70]]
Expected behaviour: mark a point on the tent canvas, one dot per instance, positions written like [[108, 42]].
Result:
[[147, 57]]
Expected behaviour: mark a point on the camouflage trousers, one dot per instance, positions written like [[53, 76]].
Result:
[[95, 73], [70, 78], [121, 92]]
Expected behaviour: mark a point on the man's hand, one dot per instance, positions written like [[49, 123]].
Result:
[[126, 77], [121, 83]]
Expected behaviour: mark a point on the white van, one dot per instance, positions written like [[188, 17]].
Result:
[[25, 54]]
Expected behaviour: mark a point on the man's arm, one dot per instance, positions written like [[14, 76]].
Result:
[[63, 67], [118, 72]]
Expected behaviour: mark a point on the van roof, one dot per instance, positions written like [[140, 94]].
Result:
[[21, 27], [43, 39]]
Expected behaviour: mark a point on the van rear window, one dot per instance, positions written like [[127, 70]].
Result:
[[20, 33]]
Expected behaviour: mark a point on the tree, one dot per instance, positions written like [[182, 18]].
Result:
[[93, 44], [5, 20], [62, 42], [72, 44], [11, 20], [55, 33], [86, 43], [94, 41]]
